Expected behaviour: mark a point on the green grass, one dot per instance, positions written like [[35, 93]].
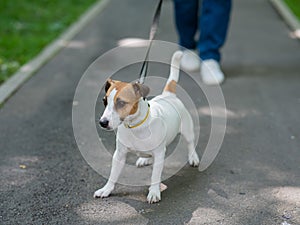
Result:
[[27, 26], [294, 5]]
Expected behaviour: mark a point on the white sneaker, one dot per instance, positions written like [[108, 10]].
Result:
[[190, 61], [211, 72]]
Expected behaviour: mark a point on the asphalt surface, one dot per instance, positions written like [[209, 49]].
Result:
[[255, 178]]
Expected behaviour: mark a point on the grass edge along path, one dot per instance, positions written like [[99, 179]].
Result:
[[26, 27], [294, 6]]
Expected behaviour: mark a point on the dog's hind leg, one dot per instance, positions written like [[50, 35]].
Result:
[[187, 130]]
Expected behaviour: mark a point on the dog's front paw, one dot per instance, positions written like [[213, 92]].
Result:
[[143, 162], [194, 159], [103, 192], [153, 195]]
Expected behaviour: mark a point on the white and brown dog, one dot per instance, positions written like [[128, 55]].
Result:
[[145, 127]]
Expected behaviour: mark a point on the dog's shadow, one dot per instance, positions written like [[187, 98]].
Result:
[[187, 190]]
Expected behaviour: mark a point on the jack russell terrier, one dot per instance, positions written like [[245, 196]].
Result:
[[145, 127]]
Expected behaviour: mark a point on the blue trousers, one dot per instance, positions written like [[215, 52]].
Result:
[[212, 24]]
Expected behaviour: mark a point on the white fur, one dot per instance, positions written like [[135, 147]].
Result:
[[167, 118], [175, 63], [110, 113]]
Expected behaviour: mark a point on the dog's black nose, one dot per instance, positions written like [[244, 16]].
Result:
[[103, 122]]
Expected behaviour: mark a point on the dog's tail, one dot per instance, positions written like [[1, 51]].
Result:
[[174, 72]]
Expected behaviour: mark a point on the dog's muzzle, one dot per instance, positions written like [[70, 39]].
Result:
[[104, 122]]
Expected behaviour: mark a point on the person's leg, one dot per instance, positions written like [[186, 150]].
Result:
[[213, 23], [186, 19]]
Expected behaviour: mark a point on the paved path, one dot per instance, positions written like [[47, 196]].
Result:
[[255, 179]]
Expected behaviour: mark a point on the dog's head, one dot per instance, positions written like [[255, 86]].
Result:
[[120, 101]]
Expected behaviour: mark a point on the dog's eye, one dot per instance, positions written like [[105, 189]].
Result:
[[104, 101], [120, 104]]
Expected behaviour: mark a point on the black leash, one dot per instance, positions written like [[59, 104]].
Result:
[[153, 30]]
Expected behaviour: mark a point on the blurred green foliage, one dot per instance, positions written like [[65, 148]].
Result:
[[26, 26], [294, 6]]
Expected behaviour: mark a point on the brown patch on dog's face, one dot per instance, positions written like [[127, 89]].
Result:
[[127, 96], [111, 85], [126, 101]]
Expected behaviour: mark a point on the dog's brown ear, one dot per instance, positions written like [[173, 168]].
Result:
[[108, 84], [141, 90]]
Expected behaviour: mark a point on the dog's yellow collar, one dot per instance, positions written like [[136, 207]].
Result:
[[140, 123]]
